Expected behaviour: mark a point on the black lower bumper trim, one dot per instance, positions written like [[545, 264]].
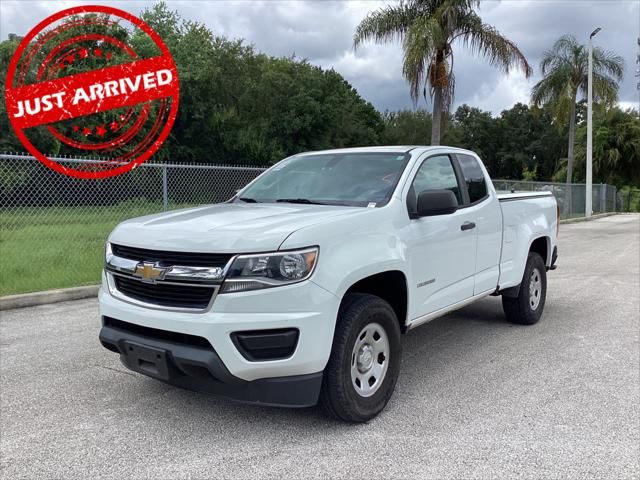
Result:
[[260, 345], [201, 369]]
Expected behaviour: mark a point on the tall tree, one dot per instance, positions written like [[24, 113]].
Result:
[[406, 127], [565, 74], [236, 104], [477, 132], [616, 147], [428, 30]]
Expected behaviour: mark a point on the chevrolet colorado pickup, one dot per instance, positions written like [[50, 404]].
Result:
[[297, 290]]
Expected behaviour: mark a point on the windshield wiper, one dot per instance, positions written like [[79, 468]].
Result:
[[299, 200], [248, 200]]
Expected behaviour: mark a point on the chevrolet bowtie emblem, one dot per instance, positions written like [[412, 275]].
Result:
[[149, 273]]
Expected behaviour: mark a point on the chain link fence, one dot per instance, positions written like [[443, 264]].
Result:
[[571, 198], [53, 227]]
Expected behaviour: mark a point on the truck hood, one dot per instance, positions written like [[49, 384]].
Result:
[[225, 227]]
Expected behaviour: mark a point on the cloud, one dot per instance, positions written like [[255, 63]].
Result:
[[627, 105], [507, 91], [322, 32]]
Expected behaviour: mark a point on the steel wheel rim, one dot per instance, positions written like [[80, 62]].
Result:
[[535, 289], [369, 359]]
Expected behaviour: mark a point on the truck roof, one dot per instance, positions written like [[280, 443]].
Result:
[[388, 148]]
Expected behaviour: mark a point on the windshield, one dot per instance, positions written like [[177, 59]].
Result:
[[353, 179]]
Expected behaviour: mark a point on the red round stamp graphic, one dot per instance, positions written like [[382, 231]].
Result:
[[99, 81]]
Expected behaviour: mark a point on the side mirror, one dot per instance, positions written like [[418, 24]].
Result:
[[436, 202]]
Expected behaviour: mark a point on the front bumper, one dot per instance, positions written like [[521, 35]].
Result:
[[305, 307], [198, 367]]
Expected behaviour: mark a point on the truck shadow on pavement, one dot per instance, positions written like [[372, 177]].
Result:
[[432, 354], [459, 340]]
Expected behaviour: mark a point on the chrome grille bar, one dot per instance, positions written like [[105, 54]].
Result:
[[154, 283], [184, 273]]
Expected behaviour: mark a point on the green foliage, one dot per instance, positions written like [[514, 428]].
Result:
[[565, 73], [87, 60], [529, 142], [520, 143], [236, 105], [8, 140], [477, 132], [629, 198], [523, 142], [529, 175], [616, 147], [240, 106], [406, 127]]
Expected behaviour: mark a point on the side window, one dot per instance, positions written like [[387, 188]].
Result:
[[474, 177], [436, 173]]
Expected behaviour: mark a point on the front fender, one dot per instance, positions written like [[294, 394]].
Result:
[[354, 248]]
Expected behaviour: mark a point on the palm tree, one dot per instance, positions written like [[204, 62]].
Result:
[[428, 30], [565, 71], [616, 146]]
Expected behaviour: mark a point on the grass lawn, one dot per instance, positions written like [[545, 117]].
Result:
[[57, 247]]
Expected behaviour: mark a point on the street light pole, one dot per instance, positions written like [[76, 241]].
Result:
[[588, 198]]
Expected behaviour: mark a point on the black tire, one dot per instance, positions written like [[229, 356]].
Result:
[[339, 397], [523, 309]]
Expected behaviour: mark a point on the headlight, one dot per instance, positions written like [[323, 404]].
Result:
[[266, 270]]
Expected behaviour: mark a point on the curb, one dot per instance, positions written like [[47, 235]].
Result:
[[587, 219], [50, 296]]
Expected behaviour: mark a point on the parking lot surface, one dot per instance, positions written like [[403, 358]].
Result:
[[477, 397]]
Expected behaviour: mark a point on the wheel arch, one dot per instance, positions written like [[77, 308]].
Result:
[[391, 286], [542, 246]]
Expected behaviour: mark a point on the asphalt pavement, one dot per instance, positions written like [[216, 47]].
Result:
[[477, 397]]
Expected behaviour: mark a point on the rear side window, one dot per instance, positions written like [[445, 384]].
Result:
[[474, 177]]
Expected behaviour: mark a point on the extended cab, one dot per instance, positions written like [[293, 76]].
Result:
[[297, 290]]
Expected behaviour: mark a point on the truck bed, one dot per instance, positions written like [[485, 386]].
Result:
[[504, 196], [525, 215]]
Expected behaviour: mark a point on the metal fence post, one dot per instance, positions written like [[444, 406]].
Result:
[[603, 197], [165, 193]]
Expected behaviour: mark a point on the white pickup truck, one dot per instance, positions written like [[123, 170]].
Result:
[[296, 291]]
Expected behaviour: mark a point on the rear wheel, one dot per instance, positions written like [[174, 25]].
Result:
[[365, 359], [527, 307]]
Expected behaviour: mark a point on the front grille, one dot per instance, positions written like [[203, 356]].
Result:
[[164, 294], [171, 258]]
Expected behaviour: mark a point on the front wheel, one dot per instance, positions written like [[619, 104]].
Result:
[[365, 359], [527, 307]]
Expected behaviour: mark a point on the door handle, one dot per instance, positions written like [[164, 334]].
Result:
[[467, 226]]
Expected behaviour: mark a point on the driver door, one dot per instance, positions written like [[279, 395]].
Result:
[[442, 248]]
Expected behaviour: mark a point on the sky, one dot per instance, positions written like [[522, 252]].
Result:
[[322, 32]]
